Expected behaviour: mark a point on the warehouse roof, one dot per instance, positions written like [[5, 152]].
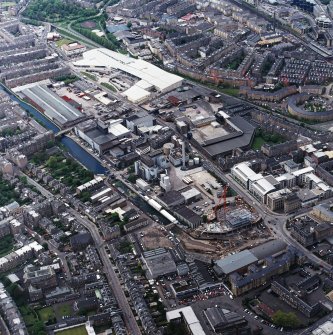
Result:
[[268, 249], [237, 261], [118, 130], [227, 144], [54, 107], [160, 79], [136, 94]]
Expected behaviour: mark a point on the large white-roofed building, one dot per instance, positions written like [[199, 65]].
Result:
[[187, 314], [244, 174], [301, 174], [260, 188], [149, 76], [136, 94]]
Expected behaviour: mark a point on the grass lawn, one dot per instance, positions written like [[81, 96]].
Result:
[[6, 245], [29, 315], [65, 310], [109, 86], [258, 142], [46, 313], [80, 330], [230, 91], [89, 75], [63, 41], [8, 3]]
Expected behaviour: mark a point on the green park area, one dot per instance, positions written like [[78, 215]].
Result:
[[56, 10], [229, 90], [7, 192], [109, 86], [80, 330], [63, 310], [261, 137], [6, 245], [65, 169], [258, 141], [45, 314], [63, 41]]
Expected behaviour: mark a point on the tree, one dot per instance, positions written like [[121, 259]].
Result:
[[38, 328], [283, 319], [131, 169], [45, 246], [132, 178], [23, 180], [129, 24]]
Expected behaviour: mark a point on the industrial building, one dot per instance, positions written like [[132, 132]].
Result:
[[223, 320], [159, 262], [96, 136], [252, 268], [187, 315], [55, 108], [221, 138], [233, 263], [150, 76]]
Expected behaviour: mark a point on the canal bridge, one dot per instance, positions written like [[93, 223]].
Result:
[[62, 132]]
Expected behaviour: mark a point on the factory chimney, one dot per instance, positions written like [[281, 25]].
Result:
[[183, 154]]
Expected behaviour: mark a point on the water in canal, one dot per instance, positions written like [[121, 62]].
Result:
[[90, 162]]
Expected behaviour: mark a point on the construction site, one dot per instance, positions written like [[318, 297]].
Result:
[[230, 217], [231, 225]]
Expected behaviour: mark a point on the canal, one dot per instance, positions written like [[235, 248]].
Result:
[[85, 158]]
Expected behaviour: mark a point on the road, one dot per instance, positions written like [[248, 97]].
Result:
[[81, 37], [113, 280], [275, 221], [40, 188]]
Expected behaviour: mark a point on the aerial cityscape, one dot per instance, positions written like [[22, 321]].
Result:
[[166, 167]]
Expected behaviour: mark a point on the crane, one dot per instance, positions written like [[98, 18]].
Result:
[[223, 198]]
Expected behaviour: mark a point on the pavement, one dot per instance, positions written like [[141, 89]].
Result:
[[113, 280], [275, 221]]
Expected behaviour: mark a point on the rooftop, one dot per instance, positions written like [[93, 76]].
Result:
[[237, 261], [53, 106], [160, 79], [268, 249]]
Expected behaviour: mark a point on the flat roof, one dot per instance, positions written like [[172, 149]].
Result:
[[136, 94], [151, 74], [302, 171], [54, 106], [268, 249], [118, 130], [190, 318], [237, 261], [228, 144]]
